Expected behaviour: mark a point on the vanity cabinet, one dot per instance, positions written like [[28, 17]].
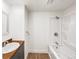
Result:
[[20, 53]]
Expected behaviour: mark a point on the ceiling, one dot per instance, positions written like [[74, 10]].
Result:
[[42, 5]]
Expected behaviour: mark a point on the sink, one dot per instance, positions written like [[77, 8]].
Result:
[[10, 47]]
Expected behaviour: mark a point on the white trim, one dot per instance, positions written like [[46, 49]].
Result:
[[38, 51]]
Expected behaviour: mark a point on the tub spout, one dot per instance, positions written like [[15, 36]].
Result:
[[56, 43]]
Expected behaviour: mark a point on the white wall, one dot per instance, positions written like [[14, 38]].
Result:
[[69, 26], [16, 22], [69, 32], [6, 8], [39, 28], [55, 27]]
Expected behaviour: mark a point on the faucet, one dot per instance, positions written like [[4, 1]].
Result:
[[4, 43], [56, 44]]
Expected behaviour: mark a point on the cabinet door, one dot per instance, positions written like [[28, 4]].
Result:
[[19, 53]]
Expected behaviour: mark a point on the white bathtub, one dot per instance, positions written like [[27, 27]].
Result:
[[62, 52]]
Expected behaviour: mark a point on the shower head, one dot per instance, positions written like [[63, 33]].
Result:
[[54, 17], [57, 17]]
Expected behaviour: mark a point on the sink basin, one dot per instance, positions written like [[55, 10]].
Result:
[[10, 47]]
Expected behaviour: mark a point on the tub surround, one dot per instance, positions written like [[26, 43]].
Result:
[[13, 53], [57, 53]]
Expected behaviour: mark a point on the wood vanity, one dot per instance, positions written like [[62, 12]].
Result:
[[17, 54], [9, 55]]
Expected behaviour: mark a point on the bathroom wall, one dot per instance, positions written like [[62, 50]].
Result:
[[69, 26], [69, 32], [40, 28], [16, 21], [6, 8], [55, 30]]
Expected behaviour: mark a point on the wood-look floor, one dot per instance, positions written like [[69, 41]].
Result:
[[38, 56]]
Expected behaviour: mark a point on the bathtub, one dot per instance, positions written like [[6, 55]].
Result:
[[61, 52]]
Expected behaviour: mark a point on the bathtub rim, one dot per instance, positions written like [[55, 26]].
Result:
[[53, 51]]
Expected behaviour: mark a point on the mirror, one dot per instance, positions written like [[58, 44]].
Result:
[[4, 23]]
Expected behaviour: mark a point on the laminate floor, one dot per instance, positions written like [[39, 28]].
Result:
[[38, 56]]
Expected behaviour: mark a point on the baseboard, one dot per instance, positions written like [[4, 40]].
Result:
[[38, 51]]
